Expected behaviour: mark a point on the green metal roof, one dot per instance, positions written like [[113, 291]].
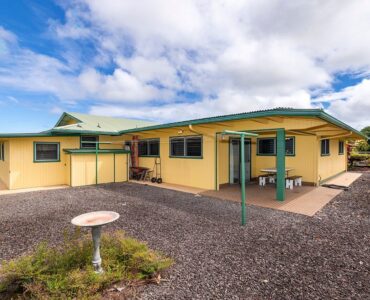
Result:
[[90, 124], [93, 151], [96, 124], [286, 112]]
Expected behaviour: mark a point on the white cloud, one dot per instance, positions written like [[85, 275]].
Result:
[[239, 55], [120, 86], [351, 105]]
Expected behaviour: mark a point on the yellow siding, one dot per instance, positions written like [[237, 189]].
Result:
[[25, 173], [4, 165], [106, 168], [184, 171], [121, 167], [117, 142], [302, 162], [332, 164], [83, 169], [201, 172]]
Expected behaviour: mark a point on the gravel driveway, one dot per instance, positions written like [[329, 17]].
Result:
[[278, 255]]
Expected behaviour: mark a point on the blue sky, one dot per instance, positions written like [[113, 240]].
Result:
[[164, 61]]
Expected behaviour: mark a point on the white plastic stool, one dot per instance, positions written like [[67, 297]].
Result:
[[262, 181], [289, 184], [298, 181]]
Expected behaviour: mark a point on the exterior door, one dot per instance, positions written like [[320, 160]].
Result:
[[235, 160]]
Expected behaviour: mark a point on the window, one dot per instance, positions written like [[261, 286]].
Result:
[[149, 147], [266, 146], [341, 147], [89, 142], [290, 146], [325, 147], [46, 152], [2, 151], [189, 146]]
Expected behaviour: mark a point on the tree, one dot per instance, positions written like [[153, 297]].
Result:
[[366, 131]]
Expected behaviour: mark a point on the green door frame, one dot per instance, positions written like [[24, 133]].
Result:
[[242, 161], [250, 156]]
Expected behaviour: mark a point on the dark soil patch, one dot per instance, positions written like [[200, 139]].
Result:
[[278, 255]]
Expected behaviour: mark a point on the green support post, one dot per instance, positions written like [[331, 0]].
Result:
[[280, 165], [243, 177], [96, 162]]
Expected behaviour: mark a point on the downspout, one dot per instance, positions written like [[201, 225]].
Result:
[[193, 130]]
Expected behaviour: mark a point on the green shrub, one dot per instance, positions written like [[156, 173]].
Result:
[[358, 157], [66, 272]]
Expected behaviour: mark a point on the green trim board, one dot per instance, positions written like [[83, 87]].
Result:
[[46, 160], [93, 151]]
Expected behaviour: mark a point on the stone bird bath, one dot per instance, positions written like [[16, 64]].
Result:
[[96, 220]]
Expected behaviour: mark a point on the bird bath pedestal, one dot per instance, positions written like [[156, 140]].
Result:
[[96, 220]]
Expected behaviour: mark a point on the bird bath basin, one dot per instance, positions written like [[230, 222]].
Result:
[[96, 220]]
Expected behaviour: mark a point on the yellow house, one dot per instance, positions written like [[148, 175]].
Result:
[[196, 153]]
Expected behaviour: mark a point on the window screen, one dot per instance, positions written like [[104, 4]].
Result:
[[186, 146], [89, 142], [46, 151], [289, 146], [194, 146], [149, 147], [325, 147], [266, 146], [341, 147], [177, 147]]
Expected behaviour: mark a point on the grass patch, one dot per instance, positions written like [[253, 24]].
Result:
[[66, 272]]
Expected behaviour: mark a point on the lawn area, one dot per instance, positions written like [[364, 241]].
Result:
[[277, 255]]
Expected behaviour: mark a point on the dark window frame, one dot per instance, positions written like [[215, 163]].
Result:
[[341, 145], [89, 142], [185, 139], [275, 145], [147, 141], [287, 138], [325, 147], [2, 151], [35, 160], [265, 139]]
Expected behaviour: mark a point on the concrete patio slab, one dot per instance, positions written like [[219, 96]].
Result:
[[345, 179], [5, 191], [305, 200], [169, 186]]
